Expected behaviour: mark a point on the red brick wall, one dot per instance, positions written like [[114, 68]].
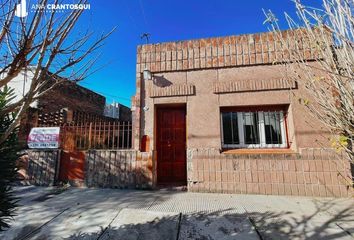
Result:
[[71, 95], [118, 169], [28, 121], [312, 173], [102, 168], [241, 50], [207, 53], [307, 173], [39, 167]]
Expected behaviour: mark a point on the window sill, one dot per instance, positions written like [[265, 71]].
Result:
[[258, 151]]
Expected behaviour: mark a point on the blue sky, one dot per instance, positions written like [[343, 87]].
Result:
[[166, 21]]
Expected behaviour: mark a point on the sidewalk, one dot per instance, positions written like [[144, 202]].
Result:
[[47, 213]]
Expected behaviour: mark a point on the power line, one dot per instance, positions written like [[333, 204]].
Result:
[[144, 35], [108, 94], [131, 16], [143, 12]]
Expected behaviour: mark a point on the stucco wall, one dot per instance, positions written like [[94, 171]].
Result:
[[21, 85]]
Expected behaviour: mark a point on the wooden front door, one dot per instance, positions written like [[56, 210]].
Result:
[[171, 145]]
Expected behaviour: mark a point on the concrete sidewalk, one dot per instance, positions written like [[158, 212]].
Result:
[[48, 213]]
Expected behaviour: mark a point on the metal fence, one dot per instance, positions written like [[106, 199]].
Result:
[[97, 135]]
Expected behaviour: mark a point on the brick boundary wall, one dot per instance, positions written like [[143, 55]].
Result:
[[118, 169], [311, 173], [314, 172], [103, 168], [39, 167]]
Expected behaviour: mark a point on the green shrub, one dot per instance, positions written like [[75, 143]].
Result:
[[8, 158]]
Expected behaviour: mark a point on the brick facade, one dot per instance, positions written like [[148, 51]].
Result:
[[212, 53], [314, 172], [253, 85], [72, 96], [125, 113], [175, 90], [53, 105], [208, 74], [311, 173], [229, 51], [39, 167], [102, 168], [118, 169]]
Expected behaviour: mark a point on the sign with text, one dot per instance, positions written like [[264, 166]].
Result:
[[44, 137]]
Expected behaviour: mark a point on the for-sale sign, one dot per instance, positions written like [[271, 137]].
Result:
[[44, 137]]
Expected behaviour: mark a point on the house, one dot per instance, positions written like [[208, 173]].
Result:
[[67, 95], [219, 115], [118, 111]]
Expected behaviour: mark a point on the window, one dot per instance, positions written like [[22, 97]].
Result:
[[253, 127]]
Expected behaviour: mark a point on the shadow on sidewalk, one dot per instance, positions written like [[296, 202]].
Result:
[[226, 224]]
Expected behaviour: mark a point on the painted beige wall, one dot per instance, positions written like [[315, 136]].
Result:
[[203, 108]]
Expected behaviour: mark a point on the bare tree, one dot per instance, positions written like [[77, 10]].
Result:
[[320, 54], [47, 44]]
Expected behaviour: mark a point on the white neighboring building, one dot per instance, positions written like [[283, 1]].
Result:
[[21, 85], [112, 110], [66, 94], [118, 111]]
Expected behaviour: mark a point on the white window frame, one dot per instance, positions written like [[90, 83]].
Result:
[[261, 130]]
